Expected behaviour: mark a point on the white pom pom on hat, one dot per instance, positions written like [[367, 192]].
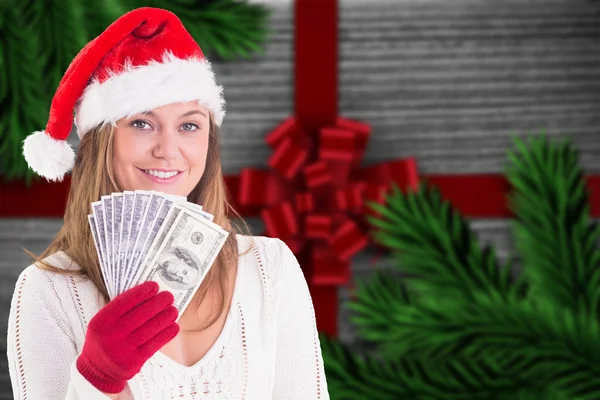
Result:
[[47, 156], [143, 60]]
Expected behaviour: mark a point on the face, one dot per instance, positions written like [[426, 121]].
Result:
[[163, 149], [182, 272]]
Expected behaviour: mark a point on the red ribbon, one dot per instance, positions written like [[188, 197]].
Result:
[[474, 196]]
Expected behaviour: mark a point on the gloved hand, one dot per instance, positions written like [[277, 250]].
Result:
[[124, 334]]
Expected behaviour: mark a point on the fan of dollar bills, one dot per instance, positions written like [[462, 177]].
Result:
[[148, 235]]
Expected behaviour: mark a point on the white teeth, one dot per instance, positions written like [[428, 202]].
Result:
[[161, 174]]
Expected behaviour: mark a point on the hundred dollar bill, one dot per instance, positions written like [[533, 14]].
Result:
[[163, 213], [107, 202], [185, 256], [92, 222], [148, 218], [182, 200], [116, 234], [174, 198], [140, 201], [128, 197], [174, 211], [169, 220], [98, 213], [197, 208]]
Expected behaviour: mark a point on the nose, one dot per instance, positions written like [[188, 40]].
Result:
[[166, 146]]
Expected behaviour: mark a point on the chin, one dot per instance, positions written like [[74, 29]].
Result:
[[168, 190]]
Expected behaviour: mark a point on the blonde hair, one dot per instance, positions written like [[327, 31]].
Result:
[[92, 177]]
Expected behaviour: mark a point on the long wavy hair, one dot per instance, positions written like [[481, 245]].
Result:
[[92, 177]]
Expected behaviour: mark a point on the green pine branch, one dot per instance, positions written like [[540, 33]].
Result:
[[354, 377], [434, 244], [437, 328], [548, 341], [60, 27], [22, 109], [375, 299], [96, 19], [228, 29], [527, 341], [473, 330], [553, 230]]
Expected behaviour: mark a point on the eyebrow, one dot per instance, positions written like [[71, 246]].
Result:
[[187, 114]]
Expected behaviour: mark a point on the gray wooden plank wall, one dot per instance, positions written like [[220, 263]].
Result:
[[445, 81]]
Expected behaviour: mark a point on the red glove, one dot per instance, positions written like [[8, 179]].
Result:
[[124, 334]]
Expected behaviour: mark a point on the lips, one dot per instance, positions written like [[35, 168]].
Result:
[[161, 176]]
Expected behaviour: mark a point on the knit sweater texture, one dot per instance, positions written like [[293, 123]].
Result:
[[268, 348]]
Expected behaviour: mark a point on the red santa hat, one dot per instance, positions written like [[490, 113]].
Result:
[[143, 60]]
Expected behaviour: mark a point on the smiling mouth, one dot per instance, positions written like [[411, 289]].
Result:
[[161, 174]]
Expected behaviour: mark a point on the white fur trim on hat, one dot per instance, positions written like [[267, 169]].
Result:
[[47, 156], [142, 88]]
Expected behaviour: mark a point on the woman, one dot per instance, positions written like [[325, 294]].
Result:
[[147, 112]]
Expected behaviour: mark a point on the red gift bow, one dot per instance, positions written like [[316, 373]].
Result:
[[314, 197]]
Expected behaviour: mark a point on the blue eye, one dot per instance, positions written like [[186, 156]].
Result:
[[189, 124], [136, 124], [144, 125]]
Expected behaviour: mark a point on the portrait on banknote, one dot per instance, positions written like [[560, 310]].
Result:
[[179, 268]]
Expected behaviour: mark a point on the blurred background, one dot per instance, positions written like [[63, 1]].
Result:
[[444, 82]]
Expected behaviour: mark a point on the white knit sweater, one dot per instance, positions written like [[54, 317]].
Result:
[[268, 349]]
